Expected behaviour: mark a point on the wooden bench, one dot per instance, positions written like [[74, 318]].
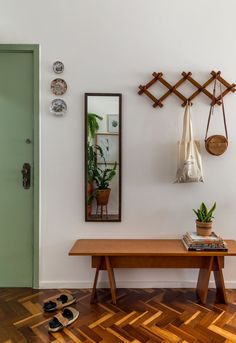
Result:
[[108, 254]]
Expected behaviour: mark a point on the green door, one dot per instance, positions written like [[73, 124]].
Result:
[[17, 107]]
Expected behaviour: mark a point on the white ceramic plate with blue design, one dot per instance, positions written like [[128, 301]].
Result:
[[58, 107], [58, 67]]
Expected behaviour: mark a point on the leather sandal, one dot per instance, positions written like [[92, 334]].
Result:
[[63, 319], [62, 301]]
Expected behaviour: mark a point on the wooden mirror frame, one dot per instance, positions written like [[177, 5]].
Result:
[[87, 95]]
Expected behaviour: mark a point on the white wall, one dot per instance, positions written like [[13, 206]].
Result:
[[113, 46]]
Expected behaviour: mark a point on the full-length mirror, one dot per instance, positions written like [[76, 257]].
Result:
[[103, 156]]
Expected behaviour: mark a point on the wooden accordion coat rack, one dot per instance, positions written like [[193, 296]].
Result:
[[186, 77]]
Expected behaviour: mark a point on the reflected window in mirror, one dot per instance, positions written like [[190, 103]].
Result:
[[103, 156]]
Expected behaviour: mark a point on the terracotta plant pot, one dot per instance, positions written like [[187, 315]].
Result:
[[203, 229], [102, 196]]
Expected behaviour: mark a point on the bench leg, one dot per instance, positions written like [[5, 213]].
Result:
[[219, 280], [203, 279], [93, 295], [111, 279]]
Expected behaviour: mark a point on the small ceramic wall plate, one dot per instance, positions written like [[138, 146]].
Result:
[[58, 107], [58, 67], [58, 86]]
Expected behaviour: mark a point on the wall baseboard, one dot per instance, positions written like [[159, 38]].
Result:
[[129, 284]]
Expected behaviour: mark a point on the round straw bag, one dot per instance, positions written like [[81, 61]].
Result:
[[217, 144]]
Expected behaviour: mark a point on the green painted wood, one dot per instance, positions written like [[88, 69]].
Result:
[[35, 50], [18, 207]]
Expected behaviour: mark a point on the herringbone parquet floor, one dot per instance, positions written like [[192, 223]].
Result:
[[141, 315]]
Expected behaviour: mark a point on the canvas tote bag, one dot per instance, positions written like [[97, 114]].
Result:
[[189, 158]]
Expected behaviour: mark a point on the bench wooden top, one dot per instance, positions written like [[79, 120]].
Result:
[[141, 247]]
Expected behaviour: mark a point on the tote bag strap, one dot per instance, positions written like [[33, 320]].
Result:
[[187, 134], [212, 111]]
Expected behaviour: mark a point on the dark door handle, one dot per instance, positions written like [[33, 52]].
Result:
[[26, 171]]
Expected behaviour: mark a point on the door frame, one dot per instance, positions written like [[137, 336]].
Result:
[[34, 49]]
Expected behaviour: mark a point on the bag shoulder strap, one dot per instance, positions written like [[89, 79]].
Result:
[[212, 110], [223, 109]]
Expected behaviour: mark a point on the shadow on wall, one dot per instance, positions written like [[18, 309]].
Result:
[[166, 162]]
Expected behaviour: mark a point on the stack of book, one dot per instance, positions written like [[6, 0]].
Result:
[[194, 242]]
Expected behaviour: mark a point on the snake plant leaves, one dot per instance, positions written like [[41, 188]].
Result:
[[203, 214]]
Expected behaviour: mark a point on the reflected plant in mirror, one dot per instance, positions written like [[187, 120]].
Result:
[[102, 157]]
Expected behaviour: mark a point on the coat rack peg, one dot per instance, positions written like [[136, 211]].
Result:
[[187, 101], [158, 77], [157, 103], [215, 74], [186, 75], [141, 89]]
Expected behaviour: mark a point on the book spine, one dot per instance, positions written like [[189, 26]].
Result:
[[185, 244], [220, 243], [213, 239], [203, 247], [207, 249]]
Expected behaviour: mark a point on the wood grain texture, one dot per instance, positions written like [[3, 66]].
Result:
[[219, 280], [156, 262], [111, 279], [141, 247], [98, 268], [140, 316], [158, 77], [203, 279], [107, 254]]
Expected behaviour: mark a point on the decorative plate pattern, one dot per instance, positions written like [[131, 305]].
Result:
[[58, 67], [58, 107], [58, 86]]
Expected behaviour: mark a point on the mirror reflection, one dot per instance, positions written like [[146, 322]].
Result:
[[103, 157]]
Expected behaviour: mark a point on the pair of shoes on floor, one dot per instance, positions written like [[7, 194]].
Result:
[[67, 316]]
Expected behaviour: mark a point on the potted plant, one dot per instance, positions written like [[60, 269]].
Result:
[[93, 125], [102, 178], [92, 151], [91, 165], [92, 128], [204, 219]]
